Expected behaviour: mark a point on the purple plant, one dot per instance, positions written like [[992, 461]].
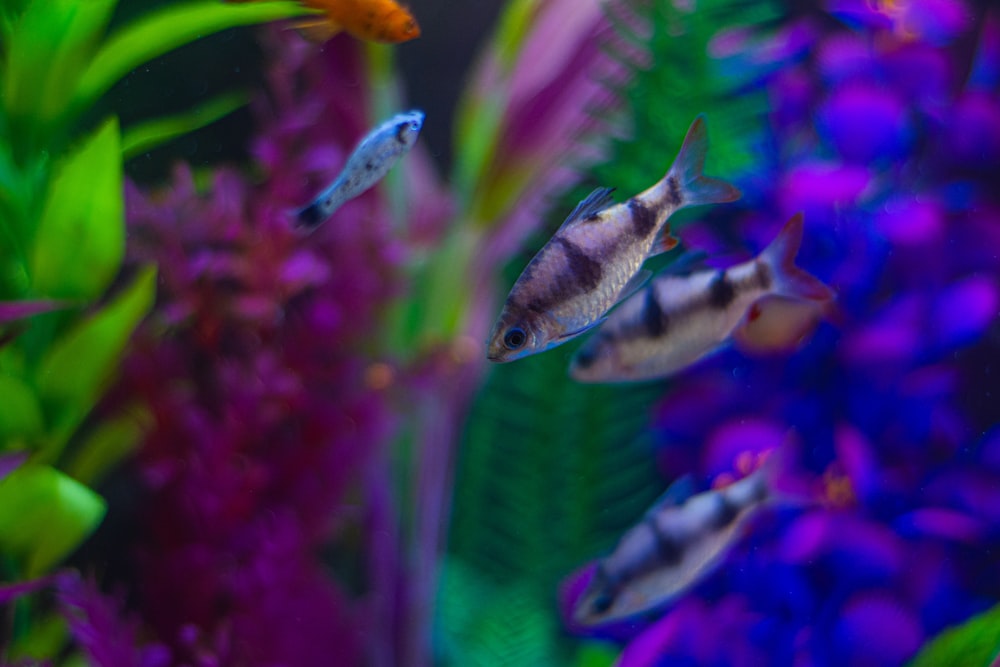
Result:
[[267, 420], [891, 150]]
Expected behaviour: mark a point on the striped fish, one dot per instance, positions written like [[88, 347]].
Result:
[[369, 162], [678, 320], [592, 261], [676, 544]]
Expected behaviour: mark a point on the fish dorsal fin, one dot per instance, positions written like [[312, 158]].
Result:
[[594, 203], [634, 284], [688, 263], [675, 495]]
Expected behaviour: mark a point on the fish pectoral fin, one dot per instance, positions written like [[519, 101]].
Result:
[[594, 203], [634, 284], [583, 330], [317, 29]]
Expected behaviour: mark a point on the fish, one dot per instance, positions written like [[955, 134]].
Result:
[[676, 544], [384, 21], [593, 260], [369, 162], [766, 303]]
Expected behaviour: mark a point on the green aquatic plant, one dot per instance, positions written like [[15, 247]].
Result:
[[975, 643], [62, 242], [551, 472]]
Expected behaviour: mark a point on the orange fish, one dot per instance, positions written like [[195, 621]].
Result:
[[384, 21]]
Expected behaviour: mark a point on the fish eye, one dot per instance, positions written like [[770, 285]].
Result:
[[515, 338], [601, 603]]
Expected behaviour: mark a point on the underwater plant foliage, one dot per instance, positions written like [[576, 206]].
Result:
[[62, 243], [294, 405]]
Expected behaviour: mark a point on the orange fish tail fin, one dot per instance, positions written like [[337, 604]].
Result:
[[790, 280], [693, 187]]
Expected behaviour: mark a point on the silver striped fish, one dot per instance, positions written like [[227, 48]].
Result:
[[370, 161], [676, 544], [592, 261], [679, 319]]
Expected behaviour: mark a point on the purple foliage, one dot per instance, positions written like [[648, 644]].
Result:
[[266, 414], [893, 154]]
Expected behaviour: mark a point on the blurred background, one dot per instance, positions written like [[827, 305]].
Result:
[[223, 442]]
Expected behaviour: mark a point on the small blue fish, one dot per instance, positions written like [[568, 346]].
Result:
[[369, 162]]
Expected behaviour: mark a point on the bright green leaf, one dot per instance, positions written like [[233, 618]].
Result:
[[21, 416], [975, 643], [49, 46], [74, 372], [44, 515], [146, 136], [108, 444], [80, 241], [45, 636], [593, 654], [164, 30]]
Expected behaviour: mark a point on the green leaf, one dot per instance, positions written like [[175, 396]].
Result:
[[110, 442], [50, 45], [482, 624], [76, 369], [144, 137], [21, 416], [166, 29], [44, 515], [975, 643], [80, 241], [45, 636]]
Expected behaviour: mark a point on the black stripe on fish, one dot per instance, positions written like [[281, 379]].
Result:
[[653, 317], [721, 292], [726, 511], [643, 218], [762, 272], [667, 548], [673, 191], [586, 270]]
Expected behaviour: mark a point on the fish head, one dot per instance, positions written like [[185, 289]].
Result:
[[519, 334], [596, 360], [607, 601], [401, 26], [408, 126]]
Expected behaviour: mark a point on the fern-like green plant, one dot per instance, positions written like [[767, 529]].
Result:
[[551, 472]]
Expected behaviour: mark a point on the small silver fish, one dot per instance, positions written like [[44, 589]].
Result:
[[592, 261], [678, 319], [369, 162], [676, 544]]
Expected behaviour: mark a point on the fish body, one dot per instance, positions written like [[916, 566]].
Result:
[[385, 21], [369, 162], [670, 550], [678, 319], [592, 261]]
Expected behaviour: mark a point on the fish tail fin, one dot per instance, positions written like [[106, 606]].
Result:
[[694, 188], [309, 217], [790, 280]]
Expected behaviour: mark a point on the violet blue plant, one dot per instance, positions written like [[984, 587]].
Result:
[[871, 125]]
